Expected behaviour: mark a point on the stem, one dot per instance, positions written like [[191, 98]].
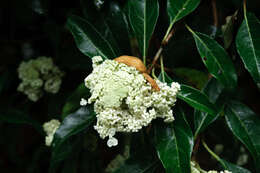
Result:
[[155, 59], [127, 140], [162, 68], [215, 13], [213, 154], [165, 41], [244, 7], [168, 32]]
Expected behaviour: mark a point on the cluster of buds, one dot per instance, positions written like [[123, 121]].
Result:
[[38, 75]]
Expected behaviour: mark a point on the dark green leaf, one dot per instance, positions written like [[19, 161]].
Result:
[[234, 168], [202, 119], [215, 59], [192, 76], [141, 164], [245, 125], [72, 103], [73, 124], [66, 149], [248, 45], [143, 15], [174, 144], [197, 99], [18, 117], [228, 29], [178, 9], [89, 41], [118, 23]]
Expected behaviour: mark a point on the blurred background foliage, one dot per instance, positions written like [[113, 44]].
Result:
[[32, 28]]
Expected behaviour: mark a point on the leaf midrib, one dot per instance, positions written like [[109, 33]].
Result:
[[216, 60], [91, 41], [252, 44], [243, 126], [196, 103], [180, 11]]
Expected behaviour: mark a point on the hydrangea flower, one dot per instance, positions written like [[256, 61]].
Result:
[[38, 75], [124, 101], [50, 128]]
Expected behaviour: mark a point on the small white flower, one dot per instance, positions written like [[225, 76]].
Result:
[[83, 102], [50, 128], [112, 142], [124, 101]]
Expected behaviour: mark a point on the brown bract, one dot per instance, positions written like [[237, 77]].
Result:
[[139, 65], [133, 62]]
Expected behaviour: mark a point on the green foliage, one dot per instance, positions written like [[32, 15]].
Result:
[[174, 143], [89, 41], [212, 106], [143, 16], [215, 59], [244, 124], [248, 45]]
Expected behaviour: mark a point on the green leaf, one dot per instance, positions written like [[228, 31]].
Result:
[[215, 59], [89, 41], [73, 124], [174, 144], [197, 100], [117, 21], [228, 30], [137, 164], [178, 9], [213, 90], [245, 125], [73, 101], [248, 45], [192, 76], [234, 168], [143, 15]]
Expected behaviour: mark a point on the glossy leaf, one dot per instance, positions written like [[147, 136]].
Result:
[[192, 76], [143, 15], [70, 126], [72, 103], [178, 9], [174, 144], [213, 90], [248, 45], [245, 125], [215, 59], [135, 164], [73, 124], [89, 41], [197, 100], [118, 23], [233, 168]]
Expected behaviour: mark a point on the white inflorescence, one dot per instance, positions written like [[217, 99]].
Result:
[[220, 171], [38, 75], [124, 100], [50, 129], [196, 169]]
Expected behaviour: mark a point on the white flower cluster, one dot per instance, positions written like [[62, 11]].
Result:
[[220, 171], [124, 100], [37, 74], [50, 129], [195, 168]]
